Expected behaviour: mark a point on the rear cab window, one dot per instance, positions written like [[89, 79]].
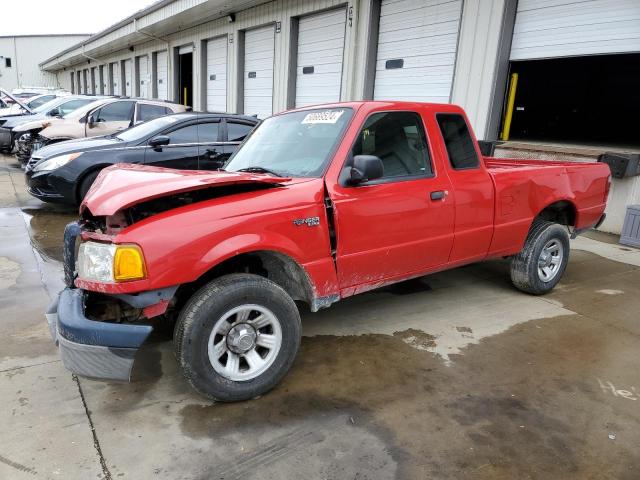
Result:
[[400, 141], [458, 141]]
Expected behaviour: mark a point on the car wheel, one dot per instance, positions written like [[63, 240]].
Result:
[[86, 183], [543, 260], [237, 337]]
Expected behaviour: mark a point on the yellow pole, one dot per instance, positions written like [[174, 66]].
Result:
[[511, 100], [184, 97]]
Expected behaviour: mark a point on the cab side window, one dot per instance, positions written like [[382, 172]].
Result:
[[399, 140], [457, 139], [116, 112], [188, 134]]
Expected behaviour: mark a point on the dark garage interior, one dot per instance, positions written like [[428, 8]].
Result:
[[593, 100], [185, 79]]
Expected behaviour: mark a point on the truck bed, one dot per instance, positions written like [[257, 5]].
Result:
[[524, 188]]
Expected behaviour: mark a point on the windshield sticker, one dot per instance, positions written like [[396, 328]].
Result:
[[328, 116]]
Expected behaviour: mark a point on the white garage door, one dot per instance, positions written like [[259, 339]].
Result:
[[417, 44], [161, 75], [560, 28], [128, 83], [320, 52], [95, 81], [258, 71], [143, 76], [217, 75], [115, 79]]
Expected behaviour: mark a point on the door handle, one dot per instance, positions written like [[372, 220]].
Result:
[[438, 195]]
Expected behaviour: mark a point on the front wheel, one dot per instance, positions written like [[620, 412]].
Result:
[[85, 185], [543, 260], [237, 337]]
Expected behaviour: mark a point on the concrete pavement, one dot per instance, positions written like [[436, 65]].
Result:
[[456, 375]]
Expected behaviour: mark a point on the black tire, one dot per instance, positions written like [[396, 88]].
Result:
[[524, 266], [86, 183], [205, 309]]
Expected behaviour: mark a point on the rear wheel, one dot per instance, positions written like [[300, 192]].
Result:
[[543, 260], [237, 337]]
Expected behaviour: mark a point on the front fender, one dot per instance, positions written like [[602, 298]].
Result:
[[250, 242]]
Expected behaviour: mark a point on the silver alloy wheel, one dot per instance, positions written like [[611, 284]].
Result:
[[244, 342], [550, 260]]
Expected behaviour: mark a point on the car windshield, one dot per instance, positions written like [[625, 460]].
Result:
[[296, 144], [45, 106], [144, 129]]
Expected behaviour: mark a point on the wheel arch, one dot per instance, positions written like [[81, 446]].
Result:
[[279, 267], [563, 212]]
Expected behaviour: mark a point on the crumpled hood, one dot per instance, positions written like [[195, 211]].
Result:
[[121, 186]]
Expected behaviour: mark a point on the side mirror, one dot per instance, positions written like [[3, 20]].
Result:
[[365, 168], [55, 113], [91, 121], [159, 141]]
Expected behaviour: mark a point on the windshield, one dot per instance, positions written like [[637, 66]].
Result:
[[47, 105], [144, 129], [296, 144]]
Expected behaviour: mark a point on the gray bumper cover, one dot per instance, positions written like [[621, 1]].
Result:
[[91, 348]]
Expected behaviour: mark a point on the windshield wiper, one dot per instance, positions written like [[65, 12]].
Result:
[[259, 170]]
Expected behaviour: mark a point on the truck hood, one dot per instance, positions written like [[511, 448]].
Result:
[[121, 186]]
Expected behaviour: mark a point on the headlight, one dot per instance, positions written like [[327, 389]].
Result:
[[56, 162], [106, 262]]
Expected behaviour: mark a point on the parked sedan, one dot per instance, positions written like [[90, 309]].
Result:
[[101, 117], [64, 172], [31, 103], [56, 108]]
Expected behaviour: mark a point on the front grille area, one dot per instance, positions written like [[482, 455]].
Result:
[[32, 162]]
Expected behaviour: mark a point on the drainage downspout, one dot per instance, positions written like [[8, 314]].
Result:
[[169, 56]]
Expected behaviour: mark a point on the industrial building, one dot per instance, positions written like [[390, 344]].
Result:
[[557, 78], [20, 56]]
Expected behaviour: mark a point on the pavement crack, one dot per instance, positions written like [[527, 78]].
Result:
[[96, 442], [29, 366]]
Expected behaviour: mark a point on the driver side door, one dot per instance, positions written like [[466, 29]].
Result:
[[401, 224], [181, 152]]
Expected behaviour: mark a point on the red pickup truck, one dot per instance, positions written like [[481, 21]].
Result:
[[317, 205]]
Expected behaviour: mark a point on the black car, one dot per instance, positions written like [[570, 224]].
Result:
[[63, 172]]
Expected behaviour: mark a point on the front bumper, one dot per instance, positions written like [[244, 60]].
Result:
[[91, 348], [38, 186]]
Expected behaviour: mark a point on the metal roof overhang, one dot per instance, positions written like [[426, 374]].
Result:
[[160, 19]]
